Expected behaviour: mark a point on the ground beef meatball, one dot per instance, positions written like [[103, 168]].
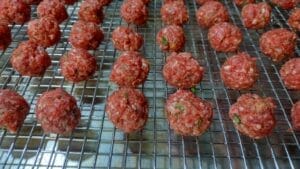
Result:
[[201, 2], [57, 112], [134, 11], [44, 31], [253, 115], [241, 3], [78, 65], [30, 59], [210, 13], [225, 37], [14, 11], [54, 9], [182, 70], [130, 70], [174, 13], [86, 35], [278, 44], [5, 36], [285, 4], [32, 2], [68, 2], [187, 114], [295, 115], [294, 19], [256, 16], [126, 39], [171, 38], [239, 72], [127, 109], [290, 74], [91, 11], [13, 110]]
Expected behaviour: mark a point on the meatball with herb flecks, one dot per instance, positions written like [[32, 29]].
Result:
[[91, 11], [171, 38], [294, 19], [14, 11], [134, 12], [54, 9], [126, 39], [290, 74], [174, 13]]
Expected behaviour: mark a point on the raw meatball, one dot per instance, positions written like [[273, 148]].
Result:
[[13, 110], [57, 112], [30, 59], [256, 16], [32, 2], [78, 65], [68, 2], [187, 114], [130, 70], [290, 74], [295, 114], [201, 2], [285, 4], [54, 9], [294, 19], [127, 109], [5, 36], [86, 35], [210, 13], [243, 2], [253, 115], [182, 70], [44, 31], [134, 11], [91, 11], [171, 38], [14, 11], [126, 39], [278, 44], [239, 71], [225, 37], [174, 13]]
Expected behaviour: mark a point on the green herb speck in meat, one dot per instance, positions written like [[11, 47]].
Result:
[[199, 122], [179, 107], [236, 119], [164, 41], [193, 89]]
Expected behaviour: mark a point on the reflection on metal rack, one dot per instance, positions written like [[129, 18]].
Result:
[[96, 143]]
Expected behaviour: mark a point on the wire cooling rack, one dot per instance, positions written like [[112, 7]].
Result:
[[97, 144]]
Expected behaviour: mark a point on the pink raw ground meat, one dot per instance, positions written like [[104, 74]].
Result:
[[294, 19], [174, 13], [290, 74], [201, 2], [182, 70], [127, 109], [286, 4], [130, 69], [5, 36], [126, 39], [241, 3], [78, 65], [91, 11], [171, 38], [54, 9], [295, 115], [57, 112], [30, 59], [253, 115], [187, 114], [14, 11], [134, 11], [13, 110]]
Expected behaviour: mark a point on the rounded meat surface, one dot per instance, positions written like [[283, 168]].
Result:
[[290, 74], [187, 114], [32, 2], [256, 16], [5, 36], [78, 65], [52, 8], [134, 11], [86, 35], [14, 11], [241, 3], [239, 71], [294, 19], [127, 109], [182, 70], [171, 38], [210, 13], [201, 2], [174, 13], [253, 115], [295, 115], [91, 11], [225, 37], [57, 112], [130, 69], [126, 39], [278, 44], [30, 59], [13, 110], [285, 4], [44, 31]]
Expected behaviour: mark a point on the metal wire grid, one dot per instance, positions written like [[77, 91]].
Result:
[[97, 144]]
